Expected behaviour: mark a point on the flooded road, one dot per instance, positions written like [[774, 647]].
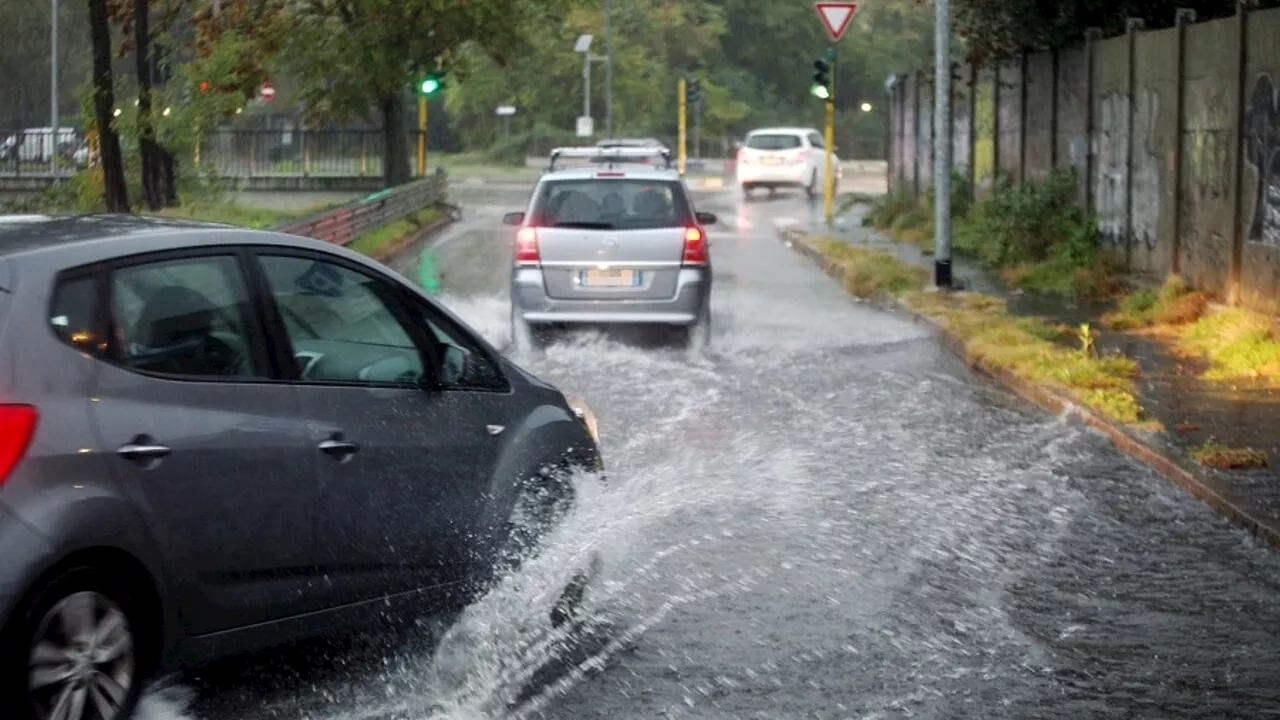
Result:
[[824, 516]]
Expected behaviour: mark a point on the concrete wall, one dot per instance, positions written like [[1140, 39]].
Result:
[[1195, 193]]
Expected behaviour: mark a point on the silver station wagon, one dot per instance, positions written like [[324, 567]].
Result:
[[614, 242]]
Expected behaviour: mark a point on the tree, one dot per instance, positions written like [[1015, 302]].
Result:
[[998, 29], [115, 191], [356, 57]]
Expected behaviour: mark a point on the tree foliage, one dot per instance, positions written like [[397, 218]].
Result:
[[998, 29]]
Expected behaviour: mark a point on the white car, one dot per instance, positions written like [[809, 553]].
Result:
[[775, 158]]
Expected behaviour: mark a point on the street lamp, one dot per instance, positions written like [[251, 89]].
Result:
[[866, 107], [53, 89], [583, 45]]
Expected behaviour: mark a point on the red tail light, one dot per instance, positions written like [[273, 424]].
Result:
[[17, 425], [527, 247], [695, 246]]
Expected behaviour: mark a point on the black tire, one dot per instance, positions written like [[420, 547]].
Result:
[[33, 619], [746, 190]]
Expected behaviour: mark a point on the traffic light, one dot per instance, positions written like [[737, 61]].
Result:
[[431, 83], [693, 90], [204, 86], [821, 87]]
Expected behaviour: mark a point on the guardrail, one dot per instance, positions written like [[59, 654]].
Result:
[[341, 225]]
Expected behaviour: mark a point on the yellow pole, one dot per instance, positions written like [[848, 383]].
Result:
[[828, 177], [680, 92], [422, 135], [828, 183]]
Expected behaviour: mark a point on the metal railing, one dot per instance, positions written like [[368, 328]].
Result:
[[264, 153], [341, 225]]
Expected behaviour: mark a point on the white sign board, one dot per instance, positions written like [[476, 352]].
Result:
[[505, 110], [586, 127], [835, 17]]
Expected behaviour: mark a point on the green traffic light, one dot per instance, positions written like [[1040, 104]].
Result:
[[820, 91], [430, 85]]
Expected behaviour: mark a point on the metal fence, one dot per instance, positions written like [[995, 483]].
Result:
[[340, 225]]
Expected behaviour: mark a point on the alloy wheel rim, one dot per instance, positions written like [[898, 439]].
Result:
[[81, 662]]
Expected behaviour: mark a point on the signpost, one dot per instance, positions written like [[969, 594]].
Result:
[[835, 17], [682, 110], [505, 112], [586, 126]]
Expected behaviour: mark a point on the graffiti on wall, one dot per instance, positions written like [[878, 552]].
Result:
[[1262, 153], [1116, 190], [1146, 180], [1207, 145], [1112, 152]]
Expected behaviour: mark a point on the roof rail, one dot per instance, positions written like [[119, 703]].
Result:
[[610, 155]]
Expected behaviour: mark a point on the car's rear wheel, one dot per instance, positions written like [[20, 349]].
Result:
[[698, 335], [746, 190], [75, 651]]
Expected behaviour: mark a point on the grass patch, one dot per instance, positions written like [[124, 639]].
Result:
[[869, 274], [1026, 348], [1172, 304], [1217, 455], [374, 240], [240, 215], [1238, 344]]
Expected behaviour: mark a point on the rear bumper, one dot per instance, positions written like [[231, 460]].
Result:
[[529, 301], [773, 175]]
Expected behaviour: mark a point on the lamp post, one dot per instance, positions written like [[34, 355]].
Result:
[[583, 45]]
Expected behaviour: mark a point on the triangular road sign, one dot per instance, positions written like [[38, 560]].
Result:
[[836, 16]]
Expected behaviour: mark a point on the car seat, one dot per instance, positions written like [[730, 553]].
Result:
[[176, 336]]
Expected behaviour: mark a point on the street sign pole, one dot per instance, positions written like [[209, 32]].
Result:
[[697, 130], [835, 17], [422, 135], [829, 174], [680, 142]]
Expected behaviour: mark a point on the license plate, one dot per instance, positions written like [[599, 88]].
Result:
[[610, 278], [771, 160]]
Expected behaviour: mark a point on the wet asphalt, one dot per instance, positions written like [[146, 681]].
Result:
[[825, 515]]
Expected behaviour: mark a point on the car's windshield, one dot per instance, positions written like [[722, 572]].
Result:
[[773, 142], [611, 204]]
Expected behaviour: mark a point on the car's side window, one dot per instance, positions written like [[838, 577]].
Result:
[[74, 315], [341, 328], [463, 365], [186, 317], [816, 140]]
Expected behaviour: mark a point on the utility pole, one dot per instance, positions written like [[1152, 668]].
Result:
[[53, 91], [608, 69], [942, 144], [697, 130]]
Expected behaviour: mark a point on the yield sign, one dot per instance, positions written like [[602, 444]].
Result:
[[836, 16]]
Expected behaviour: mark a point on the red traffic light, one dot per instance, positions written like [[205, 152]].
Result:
[[204, 86]]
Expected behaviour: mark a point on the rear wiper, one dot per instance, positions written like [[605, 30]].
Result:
[[585, 225]]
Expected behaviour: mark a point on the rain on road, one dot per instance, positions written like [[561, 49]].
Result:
[[825, 516]]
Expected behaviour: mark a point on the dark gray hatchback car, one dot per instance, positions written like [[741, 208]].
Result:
[[215, 439]]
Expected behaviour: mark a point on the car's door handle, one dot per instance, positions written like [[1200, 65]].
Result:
[[141, 451], [338, 448]]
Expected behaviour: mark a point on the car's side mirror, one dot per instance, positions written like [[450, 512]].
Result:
[[514, 218], [706, 218]]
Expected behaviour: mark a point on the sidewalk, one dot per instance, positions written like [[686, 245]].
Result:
[[1191, 410]]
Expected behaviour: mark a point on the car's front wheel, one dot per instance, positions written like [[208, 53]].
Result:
[[74, 651]]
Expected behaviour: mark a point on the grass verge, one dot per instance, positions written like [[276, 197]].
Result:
[[374, 240], [1217, 455], [1172, 304], [241, 215], [1238, 345], [1025, 347], [1033, 234]]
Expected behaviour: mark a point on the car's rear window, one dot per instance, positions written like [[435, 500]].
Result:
[[773, 142], [611, 204]]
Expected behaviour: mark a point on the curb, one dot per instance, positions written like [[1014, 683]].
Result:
[[1177, 470], [452, 214]]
